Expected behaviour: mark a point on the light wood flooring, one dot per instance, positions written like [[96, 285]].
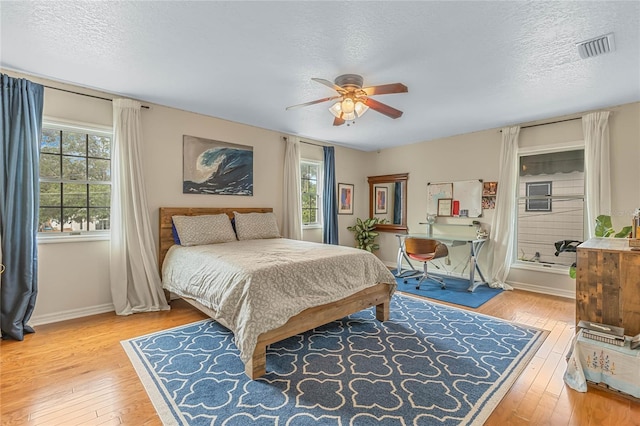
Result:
[[76, 372]]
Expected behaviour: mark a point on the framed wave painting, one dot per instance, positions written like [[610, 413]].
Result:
[[214, 167]]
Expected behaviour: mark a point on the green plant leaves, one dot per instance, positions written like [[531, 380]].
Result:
[[624, 232], [364, 233], [572, 270], [604, 228]]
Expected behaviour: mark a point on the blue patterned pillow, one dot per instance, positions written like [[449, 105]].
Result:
[[174, 232]]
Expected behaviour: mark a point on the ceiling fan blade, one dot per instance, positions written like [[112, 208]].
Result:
[[382, 108], [330, 84], [338, 121], [385, 89], [313, 102]]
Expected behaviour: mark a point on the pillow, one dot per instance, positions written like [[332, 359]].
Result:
[[205, 229], [255, 226]]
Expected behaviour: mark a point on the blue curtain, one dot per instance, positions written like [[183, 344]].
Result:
[[329, 198], [21, 119], [397, 203]]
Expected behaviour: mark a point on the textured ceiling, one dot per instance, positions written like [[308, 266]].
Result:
[[468, 65]]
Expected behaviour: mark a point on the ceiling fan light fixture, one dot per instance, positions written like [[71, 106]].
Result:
[[360, 108], [353, 100], [348, 106], [347, 109], [348, 116], [336, 110]]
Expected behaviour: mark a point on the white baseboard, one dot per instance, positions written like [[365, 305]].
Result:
[[71, 314], [570, 294]]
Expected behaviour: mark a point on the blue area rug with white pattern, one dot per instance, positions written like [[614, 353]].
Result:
[[429, 364], [456, 290]]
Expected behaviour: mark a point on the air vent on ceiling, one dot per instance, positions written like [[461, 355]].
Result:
[[596, 46]]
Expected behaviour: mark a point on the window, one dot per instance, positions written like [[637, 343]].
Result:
[[550, 206], [538, 189], [311, 184], [75, 179]]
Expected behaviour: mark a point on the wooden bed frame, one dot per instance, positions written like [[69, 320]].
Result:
[[377, 295]]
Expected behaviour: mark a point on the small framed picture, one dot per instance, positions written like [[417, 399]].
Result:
[[444, 206], [381, 199], [345, 198], [489, 188]]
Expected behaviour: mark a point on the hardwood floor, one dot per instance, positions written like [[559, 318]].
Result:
[[76, 372]]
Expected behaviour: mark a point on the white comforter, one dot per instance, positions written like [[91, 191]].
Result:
[[256, 285]]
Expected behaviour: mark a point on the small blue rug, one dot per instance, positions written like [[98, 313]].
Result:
[[455, 292], [429, 364]]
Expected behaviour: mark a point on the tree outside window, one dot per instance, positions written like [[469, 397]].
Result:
[[310, 185], [75, 180]]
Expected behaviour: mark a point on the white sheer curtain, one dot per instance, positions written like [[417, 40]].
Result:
[[595, 127], [503, 223], [135, 281], [292, 217]]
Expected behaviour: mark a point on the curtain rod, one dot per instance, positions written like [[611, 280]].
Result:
[[314, 144], [551, 122], [84, 94], [308, 143]]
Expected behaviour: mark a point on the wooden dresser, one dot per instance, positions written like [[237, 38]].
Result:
[[608, 283]]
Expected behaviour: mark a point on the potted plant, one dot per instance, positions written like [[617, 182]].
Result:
[[365, 234]]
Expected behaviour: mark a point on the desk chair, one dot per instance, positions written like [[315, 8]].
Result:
[[423, 250]]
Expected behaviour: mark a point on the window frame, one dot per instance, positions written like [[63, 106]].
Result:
[[319, 189], [77, 127], [516, 263], [533, 197]]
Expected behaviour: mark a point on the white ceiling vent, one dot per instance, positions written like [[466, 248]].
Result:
[[596, 46]]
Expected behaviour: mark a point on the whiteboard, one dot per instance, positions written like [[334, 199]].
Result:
[[436, 191], [467, 192]]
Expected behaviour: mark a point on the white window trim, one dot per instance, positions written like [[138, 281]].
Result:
[[533, 150], [545, 149], [73, 237], [79, 236], [62, 124], [320, 223], [541, 267]]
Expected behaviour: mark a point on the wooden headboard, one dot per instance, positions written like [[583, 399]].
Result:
[[165, 235]]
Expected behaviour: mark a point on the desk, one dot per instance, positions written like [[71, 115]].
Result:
[[616, 366], [452, 240]]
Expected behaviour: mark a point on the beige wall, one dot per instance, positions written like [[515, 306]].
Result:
[[459, 158], [74, 277], [475, 156]]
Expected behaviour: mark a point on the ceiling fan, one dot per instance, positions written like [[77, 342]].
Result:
[[353, 100]]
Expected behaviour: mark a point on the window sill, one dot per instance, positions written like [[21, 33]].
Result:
[[312, 226], [67, 237], [541, 267]]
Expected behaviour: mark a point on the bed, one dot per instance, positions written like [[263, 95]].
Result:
[[238, 283]]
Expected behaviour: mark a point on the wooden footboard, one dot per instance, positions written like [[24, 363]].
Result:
[[308, 319], [377, 296]]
